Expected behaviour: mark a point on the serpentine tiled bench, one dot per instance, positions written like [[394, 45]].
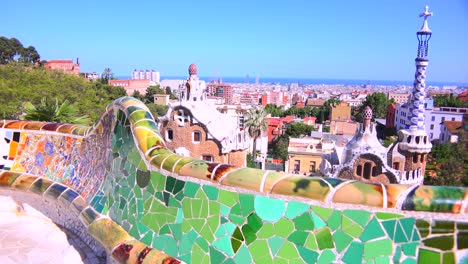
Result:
[[137, 198]]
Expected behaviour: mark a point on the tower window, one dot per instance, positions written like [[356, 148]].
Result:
[[359, 170], [169, 134], [196, 136], [207, 157], [367, 170], [415, 158]]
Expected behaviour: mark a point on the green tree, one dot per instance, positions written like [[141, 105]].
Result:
[[157, 110], [297, 129], [106, 75], [280, 148], [11, 50], [449, 162], [148, 98], [19, 84], [138, 95], [54, 112], [379, 103], [448, 100], [256, 123], [274, 110]]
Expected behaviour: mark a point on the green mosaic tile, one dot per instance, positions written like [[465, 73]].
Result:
[[390, 227], [462, 239], [264, 205], [382, 260], [386, 216], [275, 244], [440, 242], [191, 189], [243, 255], [354, 254], [158, 181], [399, 234], [443, 227], [288, 251], [254, 222], [428, 256], [397, 254], [295, 208], [303, 222], [326, 257], [224, 244], [308, 256], [318, 222], [351, 227], [377, 248], [260, 252], [198, 255], [266, 231], [359, 216], [373, 230], [324, 238], [284, 227], [409, 261], [342, 240], [228, 198], [335, 220], [249, 234], [311, 242], [298, 237], [187, 241], [323, 212], [409, 249], [448, 258], [211, 192], [216, 256]]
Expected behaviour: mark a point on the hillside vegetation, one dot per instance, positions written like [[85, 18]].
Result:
[[20, 83]]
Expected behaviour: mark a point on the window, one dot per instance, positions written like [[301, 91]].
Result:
[[207, 157], [433, 118], [312, 166], [359, 170], [169, 134], [367, 170], [432, 126], [196, 136], [453, 118], [396, 165], [297, 166]]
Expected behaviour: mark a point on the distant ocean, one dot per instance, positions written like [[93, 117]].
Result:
[[305, 81]]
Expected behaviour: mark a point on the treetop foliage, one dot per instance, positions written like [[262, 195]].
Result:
[[20, 84], [448, 100], [11, 50]]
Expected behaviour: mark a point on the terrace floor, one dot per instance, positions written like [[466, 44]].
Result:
[[27, 236]]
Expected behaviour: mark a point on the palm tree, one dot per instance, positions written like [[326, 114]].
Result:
[[107, 75], [256, 123], [53, 112]]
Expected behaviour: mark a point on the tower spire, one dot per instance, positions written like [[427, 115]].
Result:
[[416, 115]]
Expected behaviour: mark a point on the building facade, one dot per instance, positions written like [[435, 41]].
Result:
[[132, 86], [404, 162], [66, 66], [195, 128], [151, 75]]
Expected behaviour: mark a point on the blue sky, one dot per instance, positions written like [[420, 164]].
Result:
[[368, 40]]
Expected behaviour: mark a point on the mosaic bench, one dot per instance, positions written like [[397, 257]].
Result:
[[137, 199]]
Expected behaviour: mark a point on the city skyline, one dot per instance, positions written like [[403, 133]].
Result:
[[364, 40]]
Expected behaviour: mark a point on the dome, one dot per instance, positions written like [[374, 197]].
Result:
[[192, 69], [367, 113]]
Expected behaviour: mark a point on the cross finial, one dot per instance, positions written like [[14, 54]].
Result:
[[426, 13]]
